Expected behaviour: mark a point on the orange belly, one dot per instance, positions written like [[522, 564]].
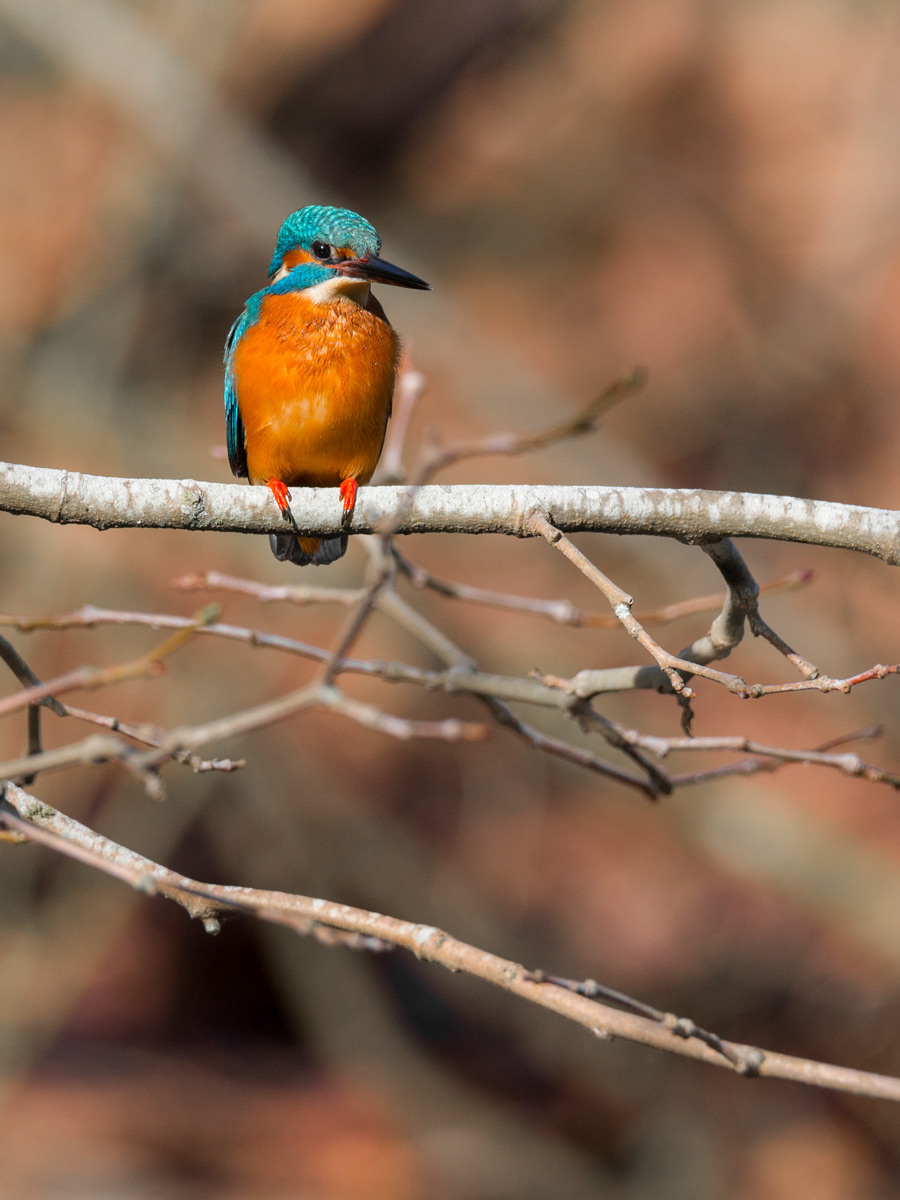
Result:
[[314, 384]]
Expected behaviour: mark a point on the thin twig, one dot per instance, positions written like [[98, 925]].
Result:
[[465, 676], [769, 757], [506, 686], [381, 567], [621, 604], [590, 683], [744, 1063], [438, 458], [90, 678], [460, 677], [152, 735], [409, 391], [29, 680], [293, 593], [724, 634], [563, 612]]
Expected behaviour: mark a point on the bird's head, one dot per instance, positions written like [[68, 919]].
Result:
[[338, 250]]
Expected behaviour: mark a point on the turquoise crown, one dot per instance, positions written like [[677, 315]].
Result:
[[317, 223]]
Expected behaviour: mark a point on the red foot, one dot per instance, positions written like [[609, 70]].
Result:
[[348, 496], [281, 494]]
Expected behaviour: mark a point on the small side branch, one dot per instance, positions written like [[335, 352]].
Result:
[[725, 631]]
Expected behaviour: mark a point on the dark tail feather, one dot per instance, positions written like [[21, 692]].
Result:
[[287, 547]]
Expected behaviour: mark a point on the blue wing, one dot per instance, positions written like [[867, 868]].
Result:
[[234, 426]]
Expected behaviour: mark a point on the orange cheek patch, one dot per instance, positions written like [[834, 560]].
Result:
[[294, 258]]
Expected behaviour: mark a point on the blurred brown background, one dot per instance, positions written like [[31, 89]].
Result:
[[709, 189]]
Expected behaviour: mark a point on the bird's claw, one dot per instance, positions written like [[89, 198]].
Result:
[[282, 496], [348, 498]]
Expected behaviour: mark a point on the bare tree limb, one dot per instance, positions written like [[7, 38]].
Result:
[[744, 591], [769, 758], [29, 680], [692, 516], [409, 391], [23, 814]]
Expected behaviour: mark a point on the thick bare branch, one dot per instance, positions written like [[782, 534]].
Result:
[[692, 516], [744, 593]]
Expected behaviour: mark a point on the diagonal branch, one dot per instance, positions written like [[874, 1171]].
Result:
[[744, 592], [23, 814], [673, 670], [725, 632], [439, 457], [768, 758]]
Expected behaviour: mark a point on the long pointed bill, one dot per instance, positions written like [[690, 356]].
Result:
[[378, 271]]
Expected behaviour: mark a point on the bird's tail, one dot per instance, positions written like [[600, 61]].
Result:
[[287, 547]]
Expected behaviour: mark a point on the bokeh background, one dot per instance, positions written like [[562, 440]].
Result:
[[710, 188]]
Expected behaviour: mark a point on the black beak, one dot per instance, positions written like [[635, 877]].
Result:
[[379, 271]]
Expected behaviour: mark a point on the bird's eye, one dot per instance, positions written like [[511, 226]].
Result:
[[321, 250]]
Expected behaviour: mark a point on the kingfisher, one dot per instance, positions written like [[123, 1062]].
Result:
[[310, 367]]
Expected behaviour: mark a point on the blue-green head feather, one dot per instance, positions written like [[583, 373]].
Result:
[[332, 227]]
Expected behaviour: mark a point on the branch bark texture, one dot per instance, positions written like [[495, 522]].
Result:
[[690, 515]]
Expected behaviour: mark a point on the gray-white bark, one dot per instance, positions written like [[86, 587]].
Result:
[[693, 516]]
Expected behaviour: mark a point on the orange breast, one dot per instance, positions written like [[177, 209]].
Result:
[[314, 384]]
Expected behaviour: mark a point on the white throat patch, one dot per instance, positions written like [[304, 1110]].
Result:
[[334, 288], [339, 287]]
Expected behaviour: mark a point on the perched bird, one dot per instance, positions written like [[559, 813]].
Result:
[[310, 366]]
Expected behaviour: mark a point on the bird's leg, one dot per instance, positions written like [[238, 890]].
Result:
[[348, 497], [282, 499]]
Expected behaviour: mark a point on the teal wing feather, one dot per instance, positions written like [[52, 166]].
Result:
[[234, 426]]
